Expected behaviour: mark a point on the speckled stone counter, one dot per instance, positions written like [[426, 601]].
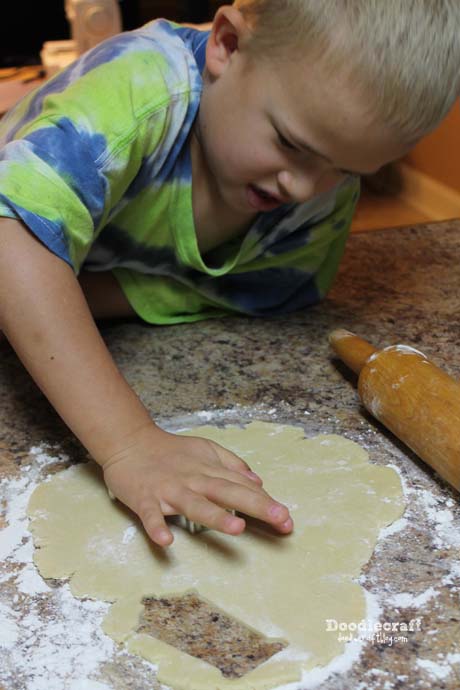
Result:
[[399, 285]]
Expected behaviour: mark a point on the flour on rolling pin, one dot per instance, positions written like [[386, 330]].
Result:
[[403, 349], [411, 396], [374, 404]]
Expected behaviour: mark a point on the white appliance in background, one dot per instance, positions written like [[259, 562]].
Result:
[[91, 21]]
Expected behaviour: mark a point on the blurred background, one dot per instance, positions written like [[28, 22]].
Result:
[[25, 28]]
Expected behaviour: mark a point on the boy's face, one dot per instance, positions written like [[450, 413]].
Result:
[[255, 117]]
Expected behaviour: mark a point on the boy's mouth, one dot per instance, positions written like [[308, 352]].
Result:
[[261, 200]]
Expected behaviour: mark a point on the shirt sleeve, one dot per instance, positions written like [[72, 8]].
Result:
[[70, 151], [49, 181]]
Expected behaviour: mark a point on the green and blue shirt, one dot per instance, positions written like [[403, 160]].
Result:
[[97, 164]]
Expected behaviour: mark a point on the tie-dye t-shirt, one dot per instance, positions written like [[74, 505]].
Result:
[[97, 164]]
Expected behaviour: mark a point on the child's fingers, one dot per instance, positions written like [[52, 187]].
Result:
[[155, 525], [233, 462], [249, 500], [230, 475], [201, 510], [216, 493]]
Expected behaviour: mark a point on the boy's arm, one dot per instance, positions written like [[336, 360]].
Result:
[[45, 317]]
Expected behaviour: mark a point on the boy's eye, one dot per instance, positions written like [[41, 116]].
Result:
[[284, 142]]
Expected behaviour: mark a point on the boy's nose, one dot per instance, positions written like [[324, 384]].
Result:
[[298, 188]]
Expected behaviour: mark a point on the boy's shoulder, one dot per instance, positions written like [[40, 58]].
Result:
[[152, 63], [156, 52], [116, 85], [160, 36]]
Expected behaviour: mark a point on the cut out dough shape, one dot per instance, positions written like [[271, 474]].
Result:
[[283, 587]]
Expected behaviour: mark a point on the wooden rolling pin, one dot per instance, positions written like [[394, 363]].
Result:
[[411, 396]]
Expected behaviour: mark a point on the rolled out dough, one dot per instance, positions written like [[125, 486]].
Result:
[[283, 587]]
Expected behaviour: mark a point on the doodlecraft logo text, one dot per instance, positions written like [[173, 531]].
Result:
[[377, 632]]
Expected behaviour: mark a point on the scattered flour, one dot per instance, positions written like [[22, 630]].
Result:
[[88, 685], [453, 577], [396, 526], [48, 639], [444, 529], [446, 665], [447, 534], [68, 645], [434, 669], [9, 629], [404, 599], [129, 534]]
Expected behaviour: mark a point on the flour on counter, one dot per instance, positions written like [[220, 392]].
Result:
[[443, 528], [48, 639], [440, 670], [447, 533], [88, 685], [396, 526], [406, 600], [9, 630]]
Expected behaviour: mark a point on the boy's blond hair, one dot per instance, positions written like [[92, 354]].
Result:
[[403, 55]]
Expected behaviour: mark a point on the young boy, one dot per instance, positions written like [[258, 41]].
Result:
[[183, 175]]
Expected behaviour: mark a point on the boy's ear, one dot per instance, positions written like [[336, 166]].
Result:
[[229, 33]]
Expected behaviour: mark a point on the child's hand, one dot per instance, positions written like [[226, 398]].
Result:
[[159, 474]]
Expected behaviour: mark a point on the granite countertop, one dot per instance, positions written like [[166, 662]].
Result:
[[395, 286]]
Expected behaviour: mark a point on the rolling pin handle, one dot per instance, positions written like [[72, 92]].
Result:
[[351, 349]]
